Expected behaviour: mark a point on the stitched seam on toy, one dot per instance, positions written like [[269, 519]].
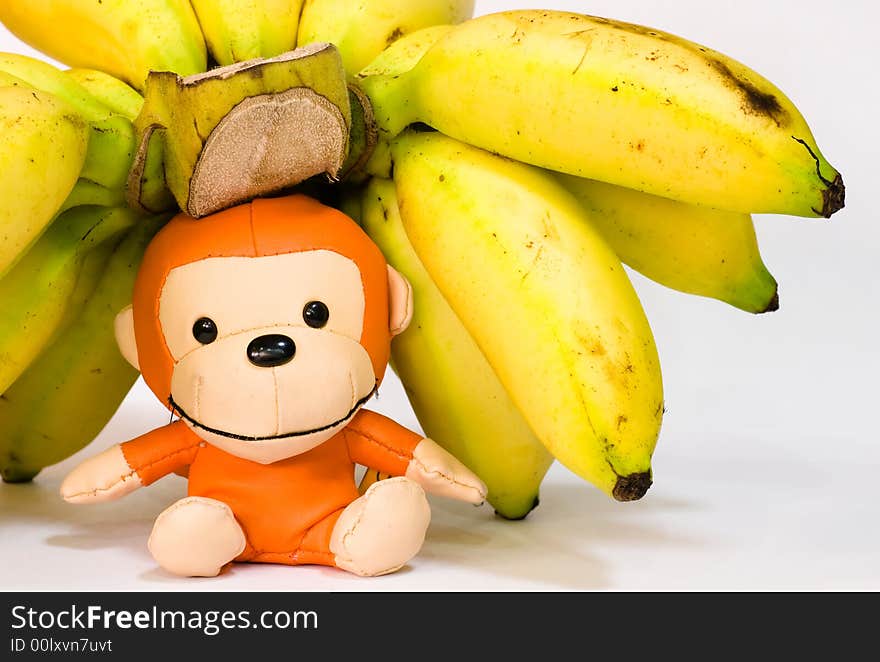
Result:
[[211, 503], [349, 533], [108, 488], [436, 472], [347, 441], [393, 450], [302, 550], [399, 327], [252, 229], [170, 455], [223, 433], [133, 472], [199, 382], [277, 403]]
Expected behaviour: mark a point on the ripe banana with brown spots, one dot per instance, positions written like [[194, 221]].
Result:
[[615, 102], [544, 298]]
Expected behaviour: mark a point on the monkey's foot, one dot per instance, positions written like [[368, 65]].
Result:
[[382, 530], [196, 537]]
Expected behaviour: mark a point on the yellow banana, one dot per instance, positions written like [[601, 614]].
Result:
[[117, 95], [43, 146], [239, 30], [692, 249], [111, 141], [545, 299], [125, 38], [452, 388], [361, 29], [398, 58], [70, 392], [38, 293], [615, 102]]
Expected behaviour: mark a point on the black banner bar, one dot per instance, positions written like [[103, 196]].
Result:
[[62, 625]]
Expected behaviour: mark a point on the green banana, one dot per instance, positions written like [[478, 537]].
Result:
[[125, 38], [619, 103], [452, 388], [117, 95], [70, 392], [88, 193], [692, 249], [44, 143], [361, 29], [111, 140], [147, 187], [239, 30], [38, 294], [545, 299]]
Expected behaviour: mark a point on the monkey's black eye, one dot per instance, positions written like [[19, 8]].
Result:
[[316, 314], [204, 330]]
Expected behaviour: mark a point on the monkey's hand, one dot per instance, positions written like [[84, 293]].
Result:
[[104, 477], [441, 473]]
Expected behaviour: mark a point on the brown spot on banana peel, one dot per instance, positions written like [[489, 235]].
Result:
[[761, 104], [393, 36], [756, 102]]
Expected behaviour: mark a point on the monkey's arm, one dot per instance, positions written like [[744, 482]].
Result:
[[123, 468], [379, 443]]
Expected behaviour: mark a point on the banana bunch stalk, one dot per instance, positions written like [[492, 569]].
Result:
[[509, 165]]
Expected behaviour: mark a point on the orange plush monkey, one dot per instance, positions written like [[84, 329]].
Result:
[[266, 327]]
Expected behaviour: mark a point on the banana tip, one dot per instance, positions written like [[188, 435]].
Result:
[[773, 304], [632, 487], [16, 476], [511, 517], [833, 197]]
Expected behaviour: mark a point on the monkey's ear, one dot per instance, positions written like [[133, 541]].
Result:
[[123, 326], [400, 302]]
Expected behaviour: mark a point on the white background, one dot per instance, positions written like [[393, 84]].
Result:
[[767, 465]]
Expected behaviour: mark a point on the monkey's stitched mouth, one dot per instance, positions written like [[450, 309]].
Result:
[[357, 405]]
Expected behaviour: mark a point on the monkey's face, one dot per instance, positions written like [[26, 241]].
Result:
[[267, 355]]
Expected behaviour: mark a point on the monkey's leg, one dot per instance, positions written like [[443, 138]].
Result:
[[196, 537], [382, 530]]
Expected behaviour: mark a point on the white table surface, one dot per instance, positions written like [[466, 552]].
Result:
[[767, 466]]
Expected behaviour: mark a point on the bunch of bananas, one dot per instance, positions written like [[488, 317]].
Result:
[[511, 165], [70, 251]]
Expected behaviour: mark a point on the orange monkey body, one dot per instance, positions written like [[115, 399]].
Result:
[[285, 523], [266, 327]]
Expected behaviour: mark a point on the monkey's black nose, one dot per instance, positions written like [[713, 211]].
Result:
[[271, 351]]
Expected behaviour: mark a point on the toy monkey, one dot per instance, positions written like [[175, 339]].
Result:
[[265, 328]]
